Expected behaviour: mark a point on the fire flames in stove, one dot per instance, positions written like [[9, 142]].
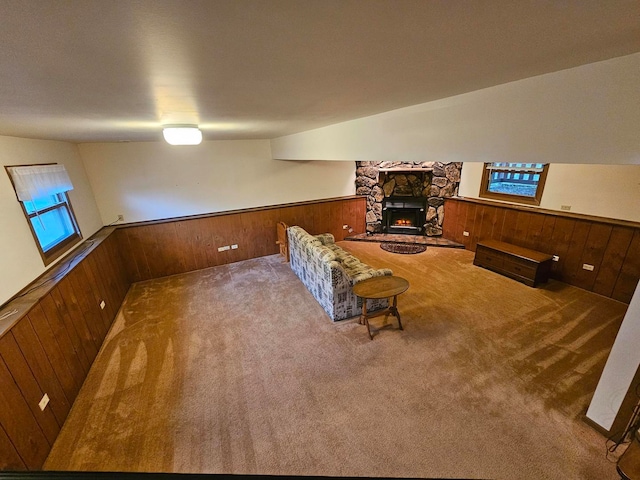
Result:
[[403, 222]]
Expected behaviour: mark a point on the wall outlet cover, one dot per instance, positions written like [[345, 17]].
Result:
[[44, 402]]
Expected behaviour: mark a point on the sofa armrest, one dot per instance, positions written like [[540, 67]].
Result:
[[381, 272]]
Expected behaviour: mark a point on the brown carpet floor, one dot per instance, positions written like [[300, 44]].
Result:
[[236, 369]]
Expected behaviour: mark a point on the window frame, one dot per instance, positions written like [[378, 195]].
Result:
[[62, 247], [507, 197]]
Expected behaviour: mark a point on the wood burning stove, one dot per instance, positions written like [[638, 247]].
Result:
[[404, 215]]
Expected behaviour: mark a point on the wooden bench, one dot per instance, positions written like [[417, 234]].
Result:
[[527, 266]]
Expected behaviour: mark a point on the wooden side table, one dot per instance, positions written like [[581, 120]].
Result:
[[380, 287]]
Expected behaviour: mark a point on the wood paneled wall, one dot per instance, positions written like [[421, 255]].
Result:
[[165, 248], [50, 347], [612, 247]]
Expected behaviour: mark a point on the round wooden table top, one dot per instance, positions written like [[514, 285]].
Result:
[[381, 287]]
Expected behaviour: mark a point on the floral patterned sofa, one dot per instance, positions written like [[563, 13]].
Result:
[[329, 273]]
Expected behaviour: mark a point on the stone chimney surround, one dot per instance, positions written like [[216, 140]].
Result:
[[433, 180]]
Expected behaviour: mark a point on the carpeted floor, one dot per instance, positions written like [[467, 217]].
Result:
[[236, 369]]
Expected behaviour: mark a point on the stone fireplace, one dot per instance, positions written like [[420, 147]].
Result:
[[426, 184]]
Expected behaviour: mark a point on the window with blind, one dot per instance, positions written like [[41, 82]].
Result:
[[42, 192], [514, 182]]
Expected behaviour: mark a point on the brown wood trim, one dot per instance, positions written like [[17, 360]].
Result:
[[555, 213], [485, 193], [61, 248], [515, 250], [406, 169], [235, 212], [178, 245]]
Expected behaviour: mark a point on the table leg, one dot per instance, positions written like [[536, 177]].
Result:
[[394, 310], [365, 317]]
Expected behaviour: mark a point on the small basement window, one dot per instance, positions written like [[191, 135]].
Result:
[[514, 182], [42, 193]]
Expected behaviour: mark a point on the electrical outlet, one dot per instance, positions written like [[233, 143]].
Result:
[[466, 234], [566, 208], [344, 227], [350, 230], [555, 258], [222, 249], [102, 304], [234, 246], [44, 402], [120, 218], [586, 266]]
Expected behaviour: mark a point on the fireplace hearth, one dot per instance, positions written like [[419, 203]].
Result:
[[404, 215]]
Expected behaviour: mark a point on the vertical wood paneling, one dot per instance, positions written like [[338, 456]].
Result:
[[613, 250], [64, 327], [572, 264], [469, 224], [140, 248], [56, 328], [50, 350], [534, 231], [543, 241], [188, 239], [559, 244], [93, 281], [26, 382], [483, 223], [523, 220], [612, 260], [126, 247], [18, 422], [9, 457], [88, 306], [450, 219], [630, 271], [592, 254], [65, 298], [463, 209], [509, 227], [160, 249], [39, 364], [68, 380]]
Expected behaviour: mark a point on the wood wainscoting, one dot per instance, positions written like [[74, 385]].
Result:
[[611, 246], [168, 247], [48, 345], [54, 329]]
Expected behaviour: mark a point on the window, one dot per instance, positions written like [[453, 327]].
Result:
[[515, 182], [41, 191]]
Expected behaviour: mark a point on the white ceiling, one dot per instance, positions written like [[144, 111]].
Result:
[[104, 71]]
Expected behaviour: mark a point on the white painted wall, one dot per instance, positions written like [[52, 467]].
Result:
[[620, 368], [153, 180], [584, 115], [20, 261], [603, 190]]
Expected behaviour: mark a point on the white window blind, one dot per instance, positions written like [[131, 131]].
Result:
[[38, 181]]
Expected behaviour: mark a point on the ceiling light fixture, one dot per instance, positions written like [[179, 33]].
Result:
[[182, 134]]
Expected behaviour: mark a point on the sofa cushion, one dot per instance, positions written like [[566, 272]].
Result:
[[326, 239]]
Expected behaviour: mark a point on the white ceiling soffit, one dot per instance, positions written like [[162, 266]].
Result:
[[96, 71]]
